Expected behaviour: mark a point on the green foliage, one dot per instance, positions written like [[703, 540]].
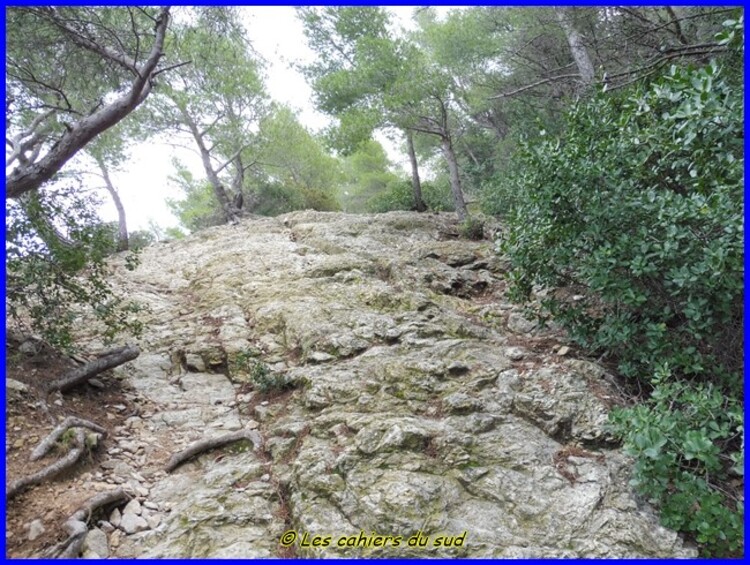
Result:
[[200, 208], [399, 195], [174, 233], [137, 239], [639, 209], [295, 166], [472, 228], [642, 205], [367, 175], [264, 380], [51, 282], [687, 441]]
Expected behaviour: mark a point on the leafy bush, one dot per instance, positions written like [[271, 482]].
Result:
[[642, 205], [639, 209], [472, 228], [265, 380], [56, 270], [399, 195], [687, 441]]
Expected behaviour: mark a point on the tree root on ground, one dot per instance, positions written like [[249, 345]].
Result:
[[70, 422], [52, 470], [77, 525], [212, 443], [108, 360]]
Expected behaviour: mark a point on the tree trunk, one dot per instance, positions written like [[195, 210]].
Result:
[[231, 213], [122, 225], [458, 195], [577, 48], [415, 182]]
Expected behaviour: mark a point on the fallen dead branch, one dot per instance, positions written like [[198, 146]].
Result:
[[204, 445], [77, 525], [70, 422], [52, 470], [80, 375]]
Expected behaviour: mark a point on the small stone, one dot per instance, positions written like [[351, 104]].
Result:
[[105, 526], [115, 538], [96, 383], [132, 507], [132, 524], [16, 386], [520, 325], [36, 529], [151, 505], [154, 521], [564, 350], [130, 446], [515, 353], [96, 542], [115, 517], [460, 402], [321, 357], [120, 407], [18, 444], [141, 491], [195, 363], [29, 347]]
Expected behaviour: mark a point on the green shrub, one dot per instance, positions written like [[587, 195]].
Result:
[[639, 211], [472, 228], [51, 281], [641, 204], [687, 441], [399, 195], [265, 380], [246, 364]]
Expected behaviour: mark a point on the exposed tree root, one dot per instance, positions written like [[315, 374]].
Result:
[[70, 422], [77, 525], [51, 470], [79, 375], [211, 443]]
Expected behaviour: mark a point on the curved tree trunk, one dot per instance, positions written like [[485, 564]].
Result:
[[122, 225], [458, 195], [415, 182], [29, 176]]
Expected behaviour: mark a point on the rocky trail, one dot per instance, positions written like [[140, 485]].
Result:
[[388, 389]]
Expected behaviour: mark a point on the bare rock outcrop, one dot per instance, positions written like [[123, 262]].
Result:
[[406, 409]]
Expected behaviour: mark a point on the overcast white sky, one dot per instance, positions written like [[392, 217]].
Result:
[[277, 35]]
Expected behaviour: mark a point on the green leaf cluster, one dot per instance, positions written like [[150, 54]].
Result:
[[687, 441], [399, 195], [641, 205], [638, 212], [52, 283]]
